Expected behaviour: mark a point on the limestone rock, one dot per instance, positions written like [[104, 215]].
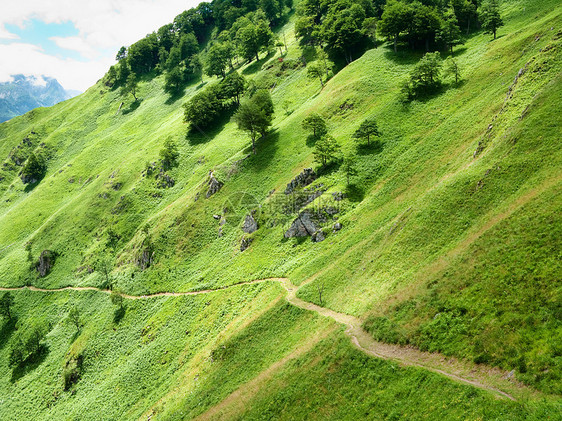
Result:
[[46, 262], [303, 226], [250, 225], [214, 185], [302, 180]]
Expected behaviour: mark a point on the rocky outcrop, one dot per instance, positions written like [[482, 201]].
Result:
[[302, 180], [318, 236], [214, 185], [250, 225], [46, 262], [303, 226], [245, 243], [145, 259]]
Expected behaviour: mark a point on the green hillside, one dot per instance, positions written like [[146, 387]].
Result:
[[450, 243]]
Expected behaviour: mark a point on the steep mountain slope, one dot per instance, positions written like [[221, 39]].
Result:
[[25, 93], [450, 242]]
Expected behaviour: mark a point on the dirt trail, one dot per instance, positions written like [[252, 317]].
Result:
[[474, 375]]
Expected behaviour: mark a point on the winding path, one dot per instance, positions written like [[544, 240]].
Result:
[[475, 375]]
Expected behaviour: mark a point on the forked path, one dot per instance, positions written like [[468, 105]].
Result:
[[463, 372]]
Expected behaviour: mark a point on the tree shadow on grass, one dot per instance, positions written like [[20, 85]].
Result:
[[8, 328], [31, 186], [175, 95], [30, 363], [266, 149], [118, 314], [257, 65], [132, 106], [375, 147], [329, 168], [311, 140], [198, 135], [355, 193]]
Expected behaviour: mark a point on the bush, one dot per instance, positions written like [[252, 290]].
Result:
[[33, 170]]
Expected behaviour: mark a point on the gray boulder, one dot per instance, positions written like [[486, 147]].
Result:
[[250, 225], [46, 262], [214, 185], [302, 180], [303, 226]]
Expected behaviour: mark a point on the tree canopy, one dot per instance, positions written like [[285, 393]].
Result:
[[255, 116]]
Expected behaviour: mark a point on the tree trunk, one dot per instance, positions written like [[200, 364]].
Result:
[[254, 144], [321, 82], [427, 44], [396, 43], [494, 33]]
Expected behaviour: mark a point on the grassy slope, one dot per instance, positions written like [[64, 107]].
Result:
[[425, 240]]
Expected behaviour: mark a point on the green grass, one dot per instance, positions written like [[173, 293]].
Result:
[[438, 249]]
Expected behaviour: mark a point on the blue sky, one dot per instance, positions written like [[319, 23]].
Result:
[[75, 41], [39, 33]]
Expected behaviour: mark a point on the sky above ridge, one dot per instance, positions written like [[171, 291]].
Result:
[[75, 41]]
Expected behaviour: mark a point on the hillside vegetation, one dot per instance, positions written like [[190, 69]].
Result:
[[445, 237]]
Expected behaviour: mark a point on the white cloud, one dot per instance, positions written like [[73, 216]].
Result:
[[103, 25]]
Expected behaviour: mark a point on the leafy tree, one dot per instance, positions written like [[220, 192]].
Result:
[[173, 80], [104, 266], [466, 12], [33, 169], [342, 28], [232, 87], [450, 32], [74, 318], [367, 129], [117, 299], [326, 149], [248, 44], [452, 68], [203, 109], [395, 20], [315, 123], [169, 154], [255, 116], [196, 66], [166, 36], [425, 74], [349, 166], [131, 86], [123, 72], [142, 56], [425, 25], [174, 58], [217, 61], [121, 54], [188, 46], [490, 17], [316, 70], [6, 303], [27, 344]]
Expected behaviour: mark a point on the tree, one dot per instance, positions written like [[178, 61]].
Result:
[[349, 166], [450, 32], [74, 318], [248, 44], [104, 266], [217, 61], [121, 54], [425, 74], [117, 299], [173, 80], [33, 169], [342, 28], [367, 129], [326, 149], [196, 66], [255, 116], [316, 70], [6, 303], [131, 86], [452, 68], [203, 109], [315, 123], [395, 19], [491, 18], [169, 154], [232, 87]]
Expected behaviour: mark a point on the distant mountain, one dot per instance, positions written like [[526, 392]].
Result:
[[25, 93]]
